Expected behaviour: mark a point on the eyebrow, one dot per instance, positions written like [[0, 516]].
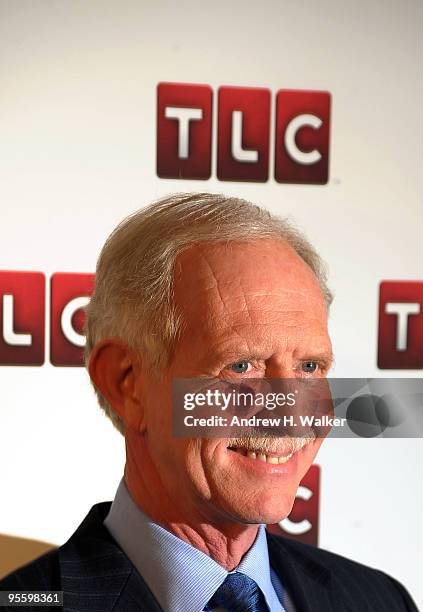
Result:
[[326, 356], [233, 356]]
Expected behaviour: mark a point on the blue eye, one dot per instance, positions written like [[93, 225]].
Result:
[[240, 366], [309, 366]]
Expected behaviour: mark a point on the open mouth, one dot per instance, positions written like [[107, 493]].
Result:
[[273, 458], [264, 455]]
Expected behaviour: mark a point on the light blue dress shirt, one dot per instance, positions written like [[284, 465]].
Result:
[[181, 577]]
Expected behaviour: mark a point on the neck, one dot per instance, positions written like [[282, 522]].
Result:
[[223, 540]]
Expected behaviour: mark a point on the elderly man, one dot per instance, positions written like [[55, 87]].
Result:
[[199, 285]]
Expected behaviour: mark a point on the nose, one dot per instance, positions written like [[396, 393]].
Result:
[[280, 367]]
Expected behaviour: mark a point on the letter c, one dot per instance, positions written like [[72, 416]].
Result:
[[66, 320], [304, 525], [301, 157]]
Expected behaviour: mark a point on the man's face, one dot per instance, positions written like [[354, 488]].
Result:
[[250, 310]]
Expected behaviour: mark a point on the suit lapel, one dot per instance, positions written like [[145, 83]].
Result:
[[97, 576], [136, 596], [308, 582]]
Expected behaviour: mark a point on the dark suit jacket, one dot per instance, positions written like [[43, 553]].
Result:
[[96, 575]]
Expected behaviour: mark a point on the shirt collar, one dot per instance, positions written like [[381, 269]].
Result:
[[181, 577], [255, 564]]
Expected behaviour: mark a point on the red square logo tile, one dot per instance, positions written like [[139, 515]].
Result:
[[184, 124], [69, 295], [400, 344], [303, 522], [302, 136], [243, 134], [22, 318]]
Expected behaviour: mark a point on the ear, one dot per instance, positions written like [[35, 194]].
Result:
[[115, 370]]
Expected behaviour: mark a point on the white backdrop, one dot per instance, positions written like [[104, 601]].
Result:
[[77, 153]]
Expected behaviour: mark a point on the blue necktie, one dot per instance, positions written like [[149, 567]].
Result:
[[238, 593]]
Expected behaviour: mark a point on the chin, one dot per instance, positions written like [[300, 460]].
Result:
[[268, 511], [275, 514]]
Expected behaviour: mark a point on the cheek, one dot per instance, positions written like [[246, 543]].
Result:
[[198, 459], [157, 404], [308, 456], [178, 468], [178, 460], [164, 447]]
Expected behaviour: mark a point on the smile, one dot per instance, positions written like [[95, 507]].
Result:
[[272, 458]]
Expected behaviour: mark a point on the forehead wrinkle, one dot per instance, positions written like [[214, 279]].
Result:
[[264, 334], [215, 280], [260, 330], [283, 316], [215, 297], [292, 327], [224, 320], [216, 286], [222, 281], [249, 298], [228, 306]]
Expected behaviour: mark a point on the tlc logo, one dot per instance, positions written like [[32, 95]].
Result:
[[23, 312], [303, 522], [401, 325], [184, 133]]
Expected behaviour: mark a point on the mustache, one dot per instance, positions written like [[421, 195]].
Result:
[[272, 445]]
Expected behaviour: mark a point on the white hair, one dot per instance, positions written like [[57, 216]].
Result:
[[133, 295]]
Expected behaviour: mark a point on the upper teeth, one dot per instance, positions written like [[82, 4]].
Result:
[[262, 457]]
